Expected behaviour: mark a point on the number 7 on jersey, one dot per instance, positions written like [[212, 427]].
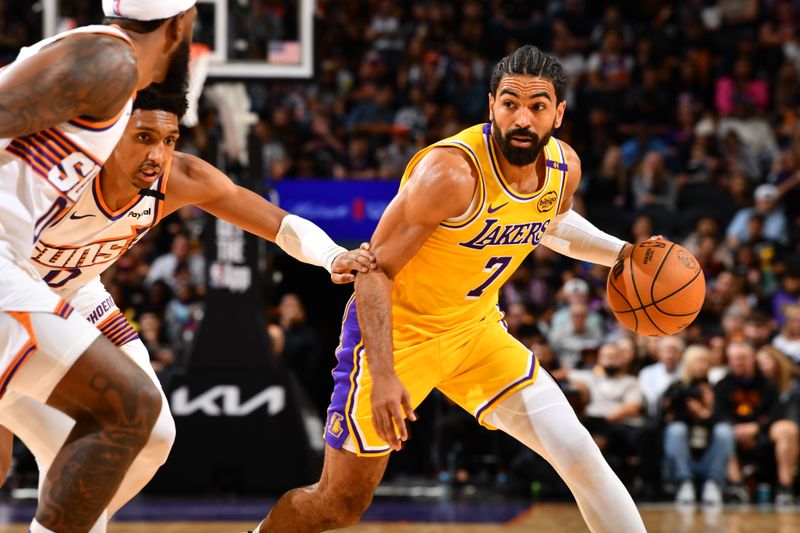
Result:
[[496, 266]]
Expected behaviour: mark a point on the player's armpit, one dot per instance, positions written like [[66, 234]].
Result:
[[87, 75]]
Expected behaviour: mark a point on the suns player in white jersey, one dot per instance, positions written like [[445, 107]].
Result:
[[143, 181], [64, 103]]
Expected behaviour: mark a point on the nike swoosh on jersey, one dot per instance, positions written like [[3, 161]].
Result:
[[73, 216], [491, 209]]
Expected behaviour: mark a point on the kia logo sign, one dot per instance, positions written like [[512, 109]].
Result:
[[226, 400]]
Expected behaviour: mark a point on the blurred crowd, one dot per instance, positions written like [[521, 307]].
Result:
[[686, 116]]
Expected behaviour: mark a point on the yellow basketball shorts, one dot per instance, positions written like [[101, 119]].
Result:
[[476, 367]]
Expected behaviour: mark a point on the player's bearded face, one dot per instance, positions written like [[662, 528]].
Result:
[[520, 155]]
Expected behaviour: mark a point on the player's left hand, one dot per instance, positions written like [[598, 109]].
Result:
[[359, 260]]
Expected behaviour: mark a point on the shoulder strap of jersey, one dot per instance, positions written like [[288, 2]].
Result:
[[161, 194], [561, 166]]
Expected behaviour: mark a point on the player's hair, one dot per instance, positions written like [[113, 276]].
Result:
[[150, 99], [137, 26], [530, 61]]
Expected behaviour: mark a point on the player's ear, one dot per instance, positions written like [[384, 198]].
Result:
[[491, 107], [175, 31], [560, 108]]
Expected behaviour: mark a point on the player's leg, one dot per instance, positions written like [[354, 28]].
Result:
[[156, 450], [498, 380], [91, 300], [44, 429], [338, 500], [355, 456], [540, 417], [112, 402]]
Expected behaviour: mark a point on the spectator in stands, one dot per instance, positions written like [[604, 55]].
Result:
[[156, 342], [741, 87], [569, 340], [607, 187], [359, 161], [785, 374], [630, 354], [788, 340], [563, 48], [758, 329], [748, 401], [694, 445], [182, 317], [656, 378], [394, 157], [717, 346], [766, 205], [576, 290], [788, 294], [297, 345], [179, 261], [614, 406], [609, 71]]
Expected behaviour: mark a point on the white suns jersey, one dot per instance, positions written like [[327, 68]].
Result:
[[91, 236], [44, 173]]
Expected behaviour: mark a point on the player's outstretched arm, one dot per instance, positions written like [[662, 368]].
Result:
[[572, 235], [85, 75], [440, 187], [194, 182]]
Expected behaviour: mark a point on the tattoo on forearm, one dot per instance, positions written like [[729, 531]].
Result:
[[90, 75], [88, 469]]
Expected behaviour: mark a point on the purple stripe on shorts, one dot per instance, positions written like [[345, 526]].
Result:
[[336, 430]]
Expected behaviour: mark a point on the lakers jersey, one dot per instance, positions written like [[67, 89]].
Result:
[[90, 237], [44, 173], [453, 280]]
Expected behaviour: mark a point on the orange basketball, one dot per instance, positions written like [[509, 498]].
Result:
[[657, 288]]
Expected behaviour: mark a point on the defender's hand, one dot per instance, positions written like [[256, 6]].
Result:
[[390, 401], [359, 260]]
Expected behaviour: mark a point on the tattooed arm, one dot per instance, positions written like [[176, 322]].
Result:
[[85, 75]]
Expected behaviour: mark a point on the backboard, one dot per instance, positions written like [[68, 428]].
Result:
[[248, 38]]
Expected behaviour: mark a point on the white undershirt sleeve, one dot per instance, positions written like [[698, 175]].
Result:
[[306, 242], [572, 235]]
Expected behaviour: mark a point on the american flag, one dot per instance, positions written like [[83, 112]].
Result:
[[283, 52]]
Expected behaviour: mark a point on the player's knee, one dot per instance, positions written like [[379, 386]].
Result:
[[346, 509], [161, 438], [579, 451], [677, 431], [784, 430]]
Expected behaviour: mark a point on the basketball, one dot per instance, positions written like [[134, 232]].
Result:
[[656, 289]]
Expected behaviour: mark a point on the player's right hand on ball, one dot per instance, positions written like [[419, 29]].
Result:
[[391, 404]]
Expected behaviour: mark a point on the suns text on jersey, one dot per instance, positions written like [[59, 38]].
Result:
[[494, 234], [81, 256]]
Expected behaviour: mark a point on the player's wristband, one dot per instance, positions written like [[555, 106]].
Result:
[[572, 235], [306, 242]]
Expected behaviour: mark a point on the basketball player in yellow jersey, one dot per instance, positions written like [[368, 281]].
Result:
[[469, 209]]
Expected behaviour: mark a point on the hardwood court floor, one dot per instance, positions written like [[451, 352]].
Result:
[[544, 518]]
